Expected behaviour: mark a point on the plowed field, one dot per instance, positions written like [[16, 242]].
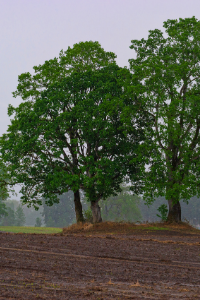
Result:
[[137, 264]]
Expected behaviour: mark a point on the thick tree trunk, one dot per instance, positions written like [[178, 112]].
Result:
[[78, 207], [174, 214], [96, 212]]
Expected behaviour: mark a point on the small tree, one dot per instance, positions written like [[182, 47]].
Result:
[[20, 218], [38, 222], [166, 85]]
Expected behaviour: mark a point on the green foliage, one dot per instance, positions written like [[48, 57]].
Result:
[[70, 132], [166, 83], [4, 191], [149, 212], [38, 222], [88, 215], [155, 228], [54, 124], [9, 218], [163, 210], [4, 179]]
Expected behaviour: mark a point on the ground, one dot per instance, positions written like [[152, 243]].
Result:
[[107, 261]]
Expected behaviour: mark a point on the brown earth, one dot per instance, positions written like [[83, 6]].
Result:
[[106, 261]]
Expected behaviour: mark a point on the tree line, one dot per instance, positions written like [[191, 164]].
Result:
[[87, 124], [125, 207]]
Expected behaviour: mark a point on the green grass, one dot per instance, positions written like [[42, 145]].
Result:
[[151, 228], [156, 228], [24, 229]]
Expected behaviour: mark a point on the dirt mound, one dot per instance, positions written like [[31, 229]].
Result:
[[102, 227], [127, 228]]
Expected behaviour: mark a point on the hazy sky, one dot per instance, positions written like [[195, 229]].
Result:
[[32, 31]]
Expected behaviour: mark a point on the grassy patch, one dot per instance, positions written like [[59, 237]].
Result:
[[156, 228], [144, 227], [24, 229]]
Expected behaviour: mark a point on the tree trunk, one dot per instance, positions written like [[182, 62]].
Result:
[[78, 207], [174, 214], [96, 212]]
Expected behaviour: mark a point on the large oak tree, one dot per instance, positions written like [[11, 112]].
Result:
[[69, 133], [167, 86]]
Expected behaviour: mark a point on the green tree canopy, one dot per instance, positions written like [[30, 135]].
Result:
[[167, 86], [70, 132]]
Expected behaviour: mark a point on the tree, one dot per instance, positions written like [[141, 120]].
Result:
[[167, 86], [20, 218], [8, 219], [83, 56], [38, 222], [69, 133]]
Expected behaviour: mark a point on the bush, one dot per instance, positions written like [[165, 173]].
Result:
[[88, 215], [163, 211]]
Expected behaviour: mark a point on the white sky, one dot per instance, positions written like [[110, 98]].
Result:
[[32, 31]]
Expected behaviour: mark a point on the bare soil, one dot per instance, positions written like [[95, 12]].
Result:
[[106, 261]]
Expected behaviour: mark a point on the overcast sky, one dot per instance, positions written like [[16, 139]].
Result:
[[32, 31]]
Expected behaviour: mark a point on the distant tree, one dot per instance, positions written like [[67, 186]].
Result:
[[20, 218], [38, 222], [9, 218], [3, 211], [166, 84], [13, 204], [122, 207], [191, 211], [149, 212], [31, 215], [61, 214]]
